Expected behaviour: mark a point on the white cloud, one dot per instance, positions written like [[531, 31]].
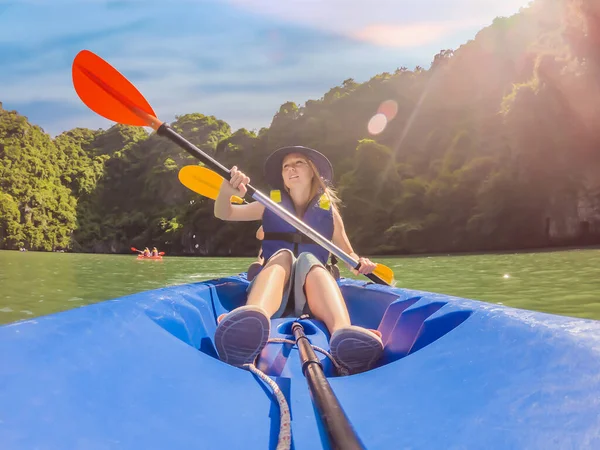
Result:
[[404, 35], [240, 74], [385, 22], [252, 85]]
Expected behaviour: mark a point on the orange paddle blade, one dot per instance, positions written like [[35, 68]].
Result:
[[108, 93]]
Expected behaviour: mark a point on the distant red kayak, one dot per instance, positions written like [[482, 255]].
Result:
[[148, 257]]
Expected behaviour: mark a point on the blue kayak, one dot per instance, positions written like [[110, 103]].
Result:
[[141, 372]]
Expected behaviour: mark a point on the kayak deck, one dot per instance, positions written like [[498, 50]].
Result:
[[141, 372]]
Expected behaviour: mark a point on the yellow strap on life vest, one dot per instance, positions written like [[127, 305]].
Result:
[[275, 195], [324, 202]]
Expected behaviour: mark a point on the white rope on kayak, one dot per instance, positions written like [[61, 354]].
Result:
[[284, 441], [340, 369]]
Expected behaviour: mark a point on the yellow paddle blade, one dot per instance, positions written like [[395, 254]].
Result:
[[385, 273], [203, 181]]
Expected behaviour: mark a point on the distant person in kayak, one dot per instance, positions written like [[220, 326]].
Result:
[[294, 266], [154, 251], [146, 252]]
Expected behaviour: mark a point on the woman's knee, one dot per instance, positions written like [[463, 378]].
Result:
[[282, 260], [306, 256], [318, 273]]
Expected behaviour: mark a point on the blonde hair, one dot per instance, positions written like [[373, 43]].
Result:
[[319, 184]]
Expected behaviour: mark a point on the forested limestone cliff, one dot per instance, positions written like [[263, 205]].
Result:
[[495, 146]]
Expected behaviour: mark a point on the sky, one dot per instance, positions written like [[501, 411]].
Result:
[[238, 60]]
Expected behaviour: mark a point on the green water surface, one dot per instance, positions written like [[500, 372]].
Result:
[[559, 282]]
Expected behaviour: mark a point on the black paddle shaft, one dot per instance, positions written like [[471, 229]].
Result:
[[166, 131], [340, 433]]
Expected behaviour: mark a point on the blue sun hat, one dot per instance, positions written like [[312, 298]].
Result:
[[275, 161]]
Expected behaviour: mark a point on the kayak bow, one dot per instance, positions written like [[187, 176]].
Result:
[[141, 372]]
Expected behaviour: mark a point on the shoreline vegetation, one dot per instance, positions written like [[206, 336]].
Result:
[[493, 149], [515, 251]]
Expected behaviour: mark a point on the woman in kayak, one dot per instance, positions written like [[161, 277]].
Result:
[[294, 266]]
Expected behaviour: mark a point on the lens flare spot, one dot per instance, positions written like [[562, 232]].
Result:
[[377, 123], [389, 108]]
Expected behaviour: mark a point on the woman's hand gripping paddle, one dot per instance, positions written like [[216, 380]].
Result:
[[104, 90]]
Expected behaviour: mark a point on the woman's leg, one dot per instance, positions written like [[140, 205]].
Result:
[[243, 332], [325, 299], [267, 289], [355, 348]]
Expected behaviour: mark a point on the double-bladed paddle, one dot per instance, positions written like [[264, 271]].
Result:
[[105, 91]]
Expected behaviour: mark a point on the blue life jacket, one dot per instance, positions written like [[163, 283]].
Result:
[[279, 234]]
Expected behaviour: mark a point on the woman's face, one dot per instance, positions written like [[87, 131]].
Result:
[[296, 171]]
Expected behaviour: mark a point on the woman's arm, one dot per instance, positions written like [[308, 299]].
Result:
[[223, 208], [340, 239]]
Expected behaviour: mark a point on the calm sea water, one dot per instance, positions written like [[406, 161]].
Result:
[[560, 282]]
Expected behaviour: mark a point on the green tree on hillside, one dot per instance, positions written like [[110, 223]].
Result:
[[494, 146]]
